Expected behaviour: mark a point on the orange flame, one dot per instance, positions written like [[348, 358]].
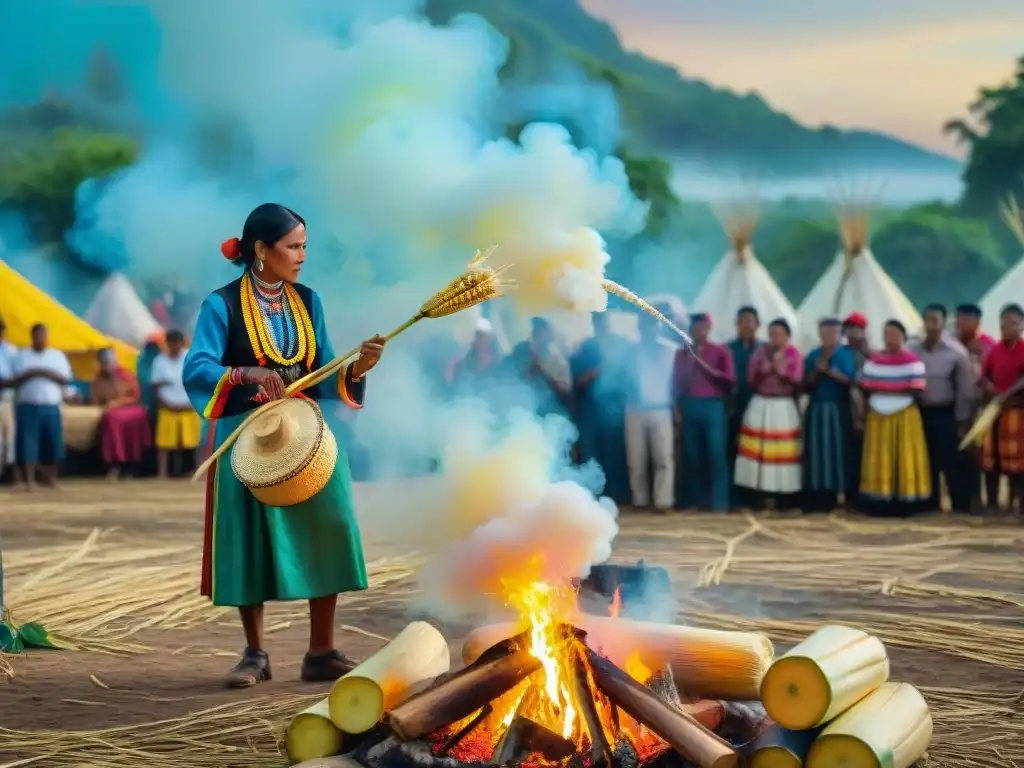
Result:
[[537, 603], [547, 697]]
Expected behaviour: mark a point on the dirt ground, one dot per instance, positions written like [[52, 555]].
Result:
[[952, 597]]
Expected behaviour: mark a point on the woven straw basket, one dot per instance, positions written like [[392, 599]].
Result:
[[286, 456]]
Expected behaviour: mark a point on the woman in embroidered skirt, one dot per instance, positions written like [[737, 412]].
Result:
[[895, 474], [253, 337], [828, 423], [768, 460]]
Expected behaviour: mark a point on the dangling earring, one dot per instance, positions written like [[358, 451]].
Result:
[[259, 265]]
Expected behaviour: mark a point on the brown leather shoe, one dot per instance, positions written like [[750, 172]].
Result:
[[253, 668], [326, 667]]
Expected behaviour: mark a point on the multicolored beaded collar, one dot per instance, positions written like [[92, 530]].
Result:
[[260, 336]]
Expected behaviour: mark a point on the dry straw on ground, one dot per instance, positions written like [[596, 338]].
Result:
[[943, 585], [101, 594]]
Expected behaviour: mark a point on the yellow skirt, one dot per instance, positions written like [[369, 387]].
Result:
[[894, 465], [178, 430]]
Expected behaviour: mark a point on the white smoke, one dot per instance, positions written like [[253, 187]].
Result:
[[386, 133], [513, 513]]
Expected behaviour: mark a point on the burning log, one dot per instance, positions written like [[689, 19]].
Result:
[[524, 736], [708, 712], [705, 662], [682, 732], [460, 695], [600, 749], [664, 684]]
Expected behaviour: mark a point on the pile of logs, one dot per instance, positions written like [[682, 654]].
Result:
[[507, 664]]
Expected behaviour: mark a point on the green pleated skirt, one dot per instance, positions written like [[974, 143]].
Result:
[[254, 553]]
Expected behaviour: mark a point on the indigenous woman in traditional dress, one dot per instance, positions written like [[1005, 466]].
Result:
[[124, 429], [895, 475], [253, 337], [768, 460], [828, 424]]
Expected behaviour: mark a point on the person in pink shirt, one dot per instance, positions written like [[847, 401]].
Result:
[[702, 381], [768, 463]]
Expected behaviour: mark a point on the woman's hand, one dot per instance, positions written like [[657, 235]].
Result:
[[269, 381], [369, 356]]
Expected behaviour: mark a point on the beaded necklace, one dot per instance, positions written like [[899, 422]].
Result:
[[277, 323]]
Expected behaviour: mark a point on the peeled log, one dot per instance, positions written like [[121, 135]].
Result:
[[889, 728], [311, 734], [708, 663], [460, 695], [823, 677], [417, 655], [680, 731]]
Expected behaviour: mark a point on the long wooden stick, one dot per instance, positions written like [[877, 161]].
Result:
[[309, 380]]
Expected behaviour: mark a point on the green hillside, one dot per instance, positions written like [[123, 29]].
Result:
[[667, 113]]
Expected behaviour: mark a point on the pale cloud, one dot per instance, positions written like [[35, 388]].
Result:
[[854, 65]]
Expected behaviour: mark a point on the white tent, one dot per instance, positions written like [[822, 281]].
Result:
[[739, 280], [116, 310], [856, 282], [1009, 289]]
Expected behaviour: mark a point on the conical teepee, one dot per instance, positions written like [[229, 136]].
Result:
[[1010, 287], [117, 311], [739, 279], [856, 282]]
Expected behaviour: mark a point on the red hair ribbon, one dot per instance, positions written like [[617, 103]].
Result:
[[231, 248]]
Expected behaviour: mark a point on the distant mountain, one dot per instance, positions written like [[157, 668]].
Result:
[[682, 117]]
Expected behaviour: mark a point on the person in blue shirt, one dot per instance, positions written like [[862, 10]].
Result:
[[828, 424]]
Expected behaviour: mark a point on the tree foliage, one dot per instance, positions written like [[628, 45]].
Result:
[[994, 135], [39, 177], [665, 111], [650, 179]]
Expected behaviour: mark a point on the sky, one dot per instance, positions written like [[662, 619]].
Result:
[[900, 66]]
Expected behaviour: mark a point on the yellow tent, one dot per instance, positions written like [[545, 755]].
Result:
[[22, 305]]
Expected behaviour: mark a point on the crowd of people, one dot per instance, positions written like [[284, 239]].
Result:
[[140, 411], [755, 423], [747, 424]]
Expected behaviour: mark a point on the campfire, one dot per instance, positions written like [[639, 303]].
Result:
[[567, 689], [545, 697]]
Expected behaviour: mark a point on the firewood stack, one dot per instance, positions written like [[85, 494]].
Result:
[[458, 719]]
